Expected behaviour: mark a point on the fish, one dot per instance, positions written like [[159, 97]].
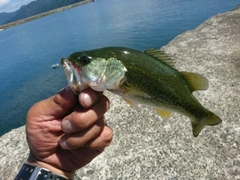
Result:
[[141, 77]]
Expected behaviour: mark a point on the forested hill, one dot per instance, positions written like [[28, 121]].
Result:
[[34, 8]]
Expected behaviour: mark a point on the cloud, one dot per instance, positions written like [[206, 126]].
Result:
[[3, 2]]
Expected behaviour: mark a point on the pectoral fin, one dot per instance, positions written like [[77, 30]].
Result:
[[131, 103], [132, 90], [164, 114]]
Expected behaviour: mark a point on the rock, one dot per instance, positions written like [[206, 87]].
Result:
[[147, 147], [13, 153]]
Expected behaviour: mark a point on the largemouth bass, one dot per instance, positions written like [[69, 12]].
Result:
[[147, 77]]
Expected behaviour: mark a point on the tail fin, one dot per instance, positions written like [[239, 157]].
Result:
[[211, 120]]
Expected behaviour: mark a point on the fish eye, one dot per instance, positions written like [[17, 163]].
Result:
[[84, 60]]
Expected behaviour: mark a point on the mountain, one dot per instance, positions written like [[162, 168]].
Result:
[[34, 8], [5, 16]]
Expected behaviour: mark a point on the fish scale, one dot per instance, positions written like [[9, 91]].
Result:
[[147, 77]]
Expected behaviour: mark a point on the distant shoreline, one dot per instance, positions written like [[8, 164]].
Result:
[[15, 23]]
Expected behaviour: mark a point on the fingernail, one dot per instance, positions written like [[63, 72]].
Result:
[[67, 89], [64, 90], [67, 126], [61, 90], [85, 99], [63, 143]]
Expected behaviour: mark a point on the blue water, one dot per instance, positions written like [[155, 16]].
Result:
[[27, 51]]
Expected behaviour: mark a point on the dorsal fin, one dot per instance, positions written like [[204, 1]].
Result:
[[198, 82], [161, 55]]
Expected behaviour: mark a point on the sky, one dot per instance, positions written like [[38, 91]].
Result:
[[12, 5]]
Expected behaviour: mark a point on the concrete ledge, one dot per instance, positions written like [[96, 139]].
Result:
[[145, 146]]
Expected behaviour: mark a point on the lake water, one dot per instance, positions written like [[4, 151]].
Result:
[[27, 51]]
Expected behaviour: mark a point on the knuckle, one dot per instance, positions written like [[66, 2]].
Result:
[[80, 120], [106, 101], [71, 143], [107, 136]]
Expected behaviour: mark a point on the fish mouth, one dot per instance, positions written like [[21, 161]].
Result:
[[73, 75]]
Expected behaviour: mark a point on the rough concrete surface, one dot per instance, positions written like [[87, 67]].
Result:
[[147, 147]]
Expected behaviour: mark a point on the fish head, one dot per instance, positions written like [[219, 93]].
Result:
[[83, 70]]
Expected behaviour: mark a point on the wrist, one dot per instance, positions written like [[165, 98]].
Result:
[[30, 172], [65, 174]]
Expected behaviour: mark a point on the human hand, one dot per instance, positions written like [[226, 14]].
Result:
[[65, 132]]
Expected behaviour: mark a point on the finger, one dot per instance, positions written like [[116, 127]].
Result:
[[54, 107], [76, 140], [64, 101], [101, 141], [89, 97], [81, 118]]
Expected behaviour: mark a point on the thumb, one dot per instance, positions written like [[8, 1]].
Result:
[[63, 102], [56, 106]]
